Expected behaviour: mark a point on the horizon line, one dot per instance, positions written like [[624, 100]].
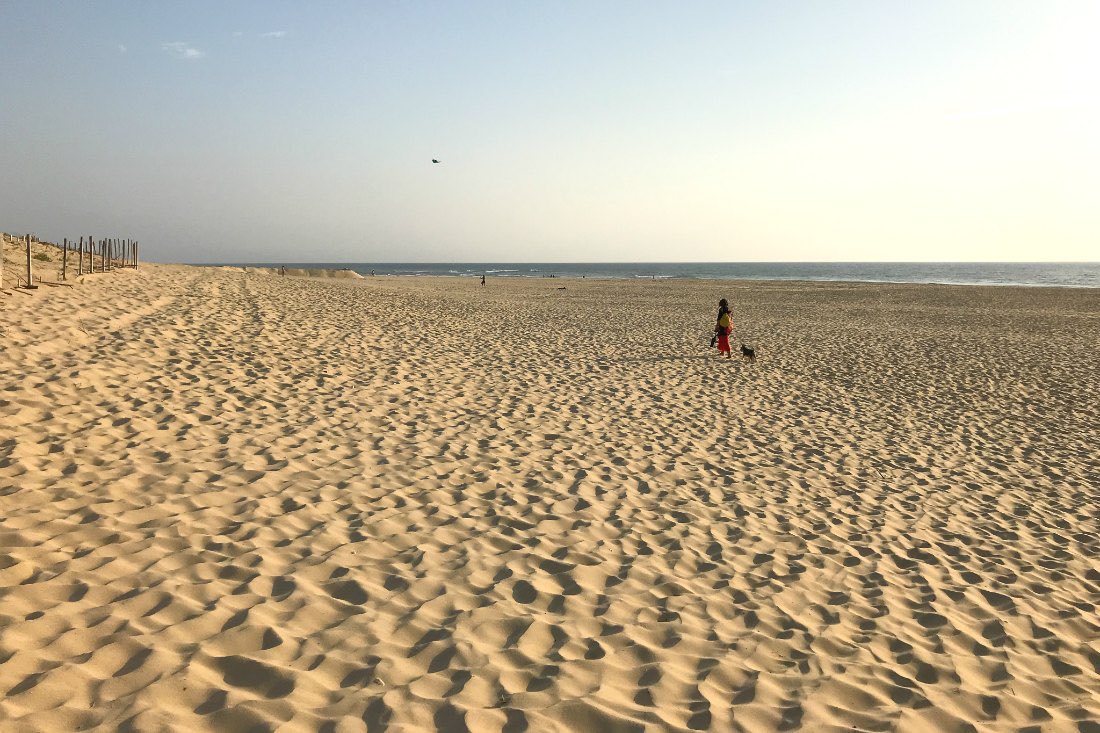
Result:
[[646, 262]]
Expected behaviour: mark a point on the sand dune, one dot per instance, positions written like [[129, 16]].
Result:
[[230, 501], [339, 274]]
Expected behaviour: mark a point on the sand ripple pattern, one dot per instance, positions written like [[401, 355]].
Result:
[[240, 502]]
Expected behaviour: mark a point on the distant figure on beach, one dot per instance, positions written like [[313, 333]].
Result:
[[282, 270], [722, 328], [372, 273], [482, 279]]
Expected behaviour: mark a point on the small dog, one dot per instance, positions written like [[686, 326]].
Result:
[[747, 352]]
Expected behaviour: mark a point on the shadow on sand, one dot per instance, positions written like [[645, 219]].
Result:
[[651, 359]]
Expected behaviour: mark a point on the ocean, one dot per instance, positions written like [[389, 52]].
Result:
[[1055, 274]]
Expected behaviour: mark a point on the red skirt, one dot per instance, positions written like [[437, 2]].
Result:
[[724, 341]]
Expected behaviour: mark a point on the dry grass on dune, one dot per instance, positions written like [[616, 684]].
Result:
[[233, 501]]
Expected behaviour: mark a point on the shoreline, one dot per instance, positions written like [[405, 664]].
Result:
[[659, 279], [408, 270]]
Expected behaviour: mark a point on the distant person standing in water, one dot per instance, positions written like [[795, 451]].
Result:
[[722, 329]]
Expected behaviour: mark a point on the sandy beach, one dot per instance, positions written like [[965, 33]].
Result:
[[242, 502]]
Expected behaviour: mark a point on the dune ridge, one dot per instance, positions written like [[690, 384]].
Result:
[[230, 501], [340, 274]]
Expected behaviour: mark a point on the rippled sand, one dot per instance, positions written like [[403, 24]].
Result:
[[235, 501]]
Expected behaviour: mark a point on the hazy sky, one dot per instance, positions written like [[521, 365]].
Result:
[[568, 131]]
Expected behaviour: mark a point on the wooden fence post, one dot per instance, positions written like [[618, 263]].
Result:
[[30, 273], [65, 261]]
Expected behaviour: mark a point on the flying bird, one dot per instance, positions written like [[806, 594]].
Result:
[[434, 160]]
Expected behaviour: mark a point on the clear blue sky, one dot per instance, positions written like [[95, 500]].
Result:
[[568, 131]]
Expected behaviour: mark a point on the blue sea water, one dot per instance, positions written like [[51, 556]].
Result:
[[1057, 274]]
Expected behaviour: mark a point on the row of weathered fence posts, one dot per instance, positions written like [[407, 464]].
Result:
[[114, 253]]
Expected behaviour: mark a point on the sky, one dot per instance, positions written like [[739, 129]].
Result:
[[779, 130]]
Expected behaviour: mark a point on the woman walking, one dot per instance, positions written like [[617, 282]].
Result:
[[722, 328]]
